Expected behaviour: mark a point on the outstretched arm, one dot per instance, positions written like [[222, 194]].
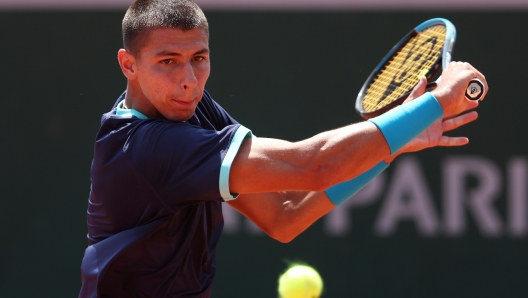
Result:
[[271, 165], [284, 215], [315, 164]]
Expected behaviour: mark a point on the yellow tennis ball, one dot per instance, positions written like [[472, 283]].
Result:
[[300, 281]]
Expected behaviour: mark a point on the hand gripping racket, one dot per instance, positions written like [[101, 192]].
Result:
[[422, 52]]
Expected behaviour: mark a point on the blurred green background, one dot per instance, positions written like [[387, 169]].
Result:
[[284, 75]]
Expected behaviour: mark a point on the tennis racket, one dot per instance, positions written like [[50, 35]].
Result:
[[422, 52]]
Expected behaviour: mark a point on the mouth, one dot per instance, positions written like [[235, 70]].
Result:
[[185, 103]]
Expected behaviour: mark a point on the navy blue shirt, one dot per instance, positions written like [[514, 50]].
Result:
[[154, 212]]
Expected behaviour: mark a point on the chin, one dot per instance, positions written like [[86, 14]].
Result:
[[180, 117]]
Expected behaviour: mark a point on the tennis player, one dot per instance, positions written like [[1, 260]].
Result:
[[167, 155]]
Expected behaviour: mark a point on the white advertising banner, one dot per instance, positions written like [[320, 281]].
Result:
[[297, 5]]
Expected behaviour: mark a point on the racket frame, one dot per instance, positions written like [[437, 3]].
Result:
[[443, 60]]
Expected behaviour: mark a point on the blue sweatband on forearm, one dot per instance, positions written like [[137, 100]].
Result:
[[403, 123], [343, 191]]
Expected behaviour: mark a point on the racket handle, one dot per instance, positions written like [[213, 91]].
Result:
[[475, 90]]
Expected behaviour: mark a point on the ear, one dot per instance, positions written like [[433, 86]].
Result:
[[127, 62]]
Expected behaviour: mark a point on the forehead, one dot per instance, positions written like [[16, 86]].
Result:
[[175, 40]]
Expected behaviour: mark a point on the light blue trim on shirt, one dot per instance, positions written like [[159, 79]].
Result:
[[225, 168], [120, 111]]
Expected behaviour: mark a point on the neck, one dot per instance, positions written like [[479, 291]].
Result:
[[136, 100]]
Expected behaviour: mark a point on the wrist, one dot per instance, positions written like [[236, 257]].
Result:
[[441, 98], [389, 159], [341, 192], [403, 123]]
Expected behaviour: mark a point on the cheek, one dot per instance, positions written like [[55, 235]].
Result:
[[153, 84], [203, 74]]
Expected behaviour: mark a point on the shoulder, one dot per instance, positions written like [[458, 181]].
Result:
[[166, 130], [163, 138], [111, 124], [214, 112], [209, 104], [208, 98], [169, 153]]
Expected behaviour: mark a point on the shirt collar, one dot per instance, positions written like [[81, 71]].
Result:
[[121, 111]]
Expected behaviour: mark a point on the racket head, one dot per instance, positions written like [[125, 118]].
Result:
[[422, 52]]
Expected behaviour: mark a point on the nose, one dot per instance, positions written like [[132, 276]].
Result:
[[188, 77]]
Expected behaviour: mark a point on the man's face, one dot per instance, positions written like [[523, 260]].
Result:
[[172, 68]]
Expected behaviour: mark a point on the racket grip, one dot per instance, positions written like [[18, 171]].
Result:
[[475, 90]]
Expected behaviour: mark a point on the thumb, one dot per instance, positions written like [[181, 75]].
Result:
[[418, 90]]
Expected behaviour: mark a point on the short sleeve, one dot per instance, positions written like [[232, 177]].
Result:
[[185, 164]]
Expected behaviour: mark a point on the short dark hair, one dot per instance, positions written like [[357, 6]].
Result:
[[145, 15]]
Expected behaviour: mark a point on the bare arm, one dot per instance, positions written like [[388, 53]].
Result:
[[285, 214], [271, 165], [314, 164]]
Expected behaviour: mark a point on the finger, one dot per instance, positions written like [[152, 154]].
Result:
[[445, 141], [458, 121], [418, 90], [477, 74], [469, 105]]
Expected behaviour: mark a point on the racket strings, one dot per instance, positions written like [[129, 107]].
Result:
[[403, 71]]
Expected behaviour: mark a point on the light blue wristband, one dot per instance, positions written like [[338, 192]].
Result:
[[403, 123], [343, 191]]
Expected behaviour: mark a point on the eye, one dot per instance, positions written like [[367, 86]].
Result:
[[167, 61], [199, 58]]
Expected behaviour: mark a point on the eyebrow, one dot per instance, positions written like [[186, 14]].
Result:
[[170, 53]]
